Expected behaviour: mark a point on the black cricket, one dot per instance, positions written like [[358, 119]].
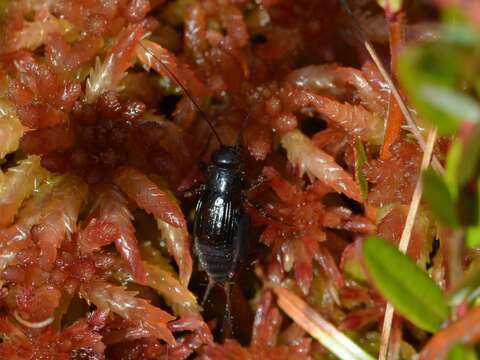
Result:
[[221, 224]]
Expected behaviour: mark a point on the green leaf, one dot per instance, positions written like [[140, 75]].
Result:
[[429, 64], [450, 102], [452, 168], [459, 34], [352, 263], [470, 159], [457, 29], [467, 289], [360, 161], [472, 237], [432, 65], [409, 289], [461, 352], [439, 199]]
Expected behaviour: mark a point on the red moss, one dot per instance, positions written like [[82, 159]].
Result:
[[110, 221], [41, 96], [149, 196], [44, 141], [394, 179], [136, 138]]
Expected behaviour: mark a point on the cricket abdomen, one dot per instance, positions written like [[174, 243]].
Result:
[[221, 225]]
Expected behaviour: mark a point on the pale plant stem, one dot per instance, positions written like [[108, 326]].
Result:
[[405, 239]]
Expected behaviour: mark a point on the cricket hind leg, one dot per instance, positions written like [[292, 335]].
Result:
[[227, 326], [208, 290]]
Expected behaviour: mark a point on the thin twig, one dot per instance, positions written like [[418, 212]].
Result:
[[401, 103], [405, 239]]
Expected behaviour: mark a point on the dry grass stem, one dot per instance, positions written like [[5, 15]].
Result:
[[405, 239], [319, 328]]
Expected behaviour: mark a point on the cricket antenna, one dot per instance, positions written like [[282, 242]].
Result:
[[174, 77]]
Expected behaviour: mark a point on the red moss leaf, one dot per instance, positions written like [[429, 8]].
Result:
[[354, 119], [338, 81], [65, 57], [233, 351], [29, 215], [328, 264], [303, 266], [186, 345], [11, 130], [361, 319], [148, 318], [286, 191], [59, 217], [149, 196], [44, 141], [43, 91], [176, 295], [111, 221], [95, 235], [15, 344], [391, 226], [178, 244], [259, 140], [195, 30], [465, 330], [39, 304], [234, 23], [83, 335], [136, 10], [34, 34], [17, 184], [394, 179], [318, 164], [267, 322], [150, 52], [108, 74]]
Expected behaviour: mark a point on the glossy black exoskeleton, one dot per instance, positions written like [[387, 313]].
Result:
[[221, 224]]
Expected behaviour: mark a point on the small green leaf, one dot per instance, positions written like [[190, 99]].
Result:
[[472, 237], [429, 64], [452, 168], [459, 34], [352, 263], [476, 85], [450, 102], [467, 289], [438, 197], [360, 161], [406, 286], [470, 158], [432, 66], [456, 28], [461, 352]]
